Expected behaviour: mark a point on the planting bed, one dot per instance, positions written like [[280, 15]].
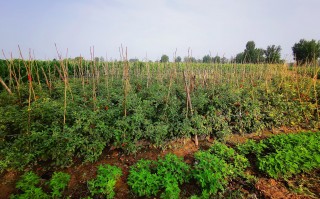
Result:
[[78, 117]]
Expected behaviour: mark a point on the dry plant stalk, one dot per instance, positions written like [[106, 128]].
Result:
[[189, 104], [28, 68], [93, 69], [5, 86], [126, 82], [106, 78], [10, 63], [315, 91], [66, 82], [47, 81]]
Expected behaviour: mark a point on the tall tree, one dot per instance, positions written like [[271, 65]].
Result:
[[253, 54], [224, 60], [240, 58], [250, 52], [178, 59], [207, 59], [259, 55], [164, 59], [273, 54], [216, 59], [306, 51]]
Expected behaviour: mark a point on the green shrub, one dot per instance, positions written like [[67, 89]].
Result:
[[285, 155], [147, 177], [173, 172], [237, 162], [105, 181], [58, 183], [30, 186], [211, 172], [173, 165], [142, 178], [216, 167]]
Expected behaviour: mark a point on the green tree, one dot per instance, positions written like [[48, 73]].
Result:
[[306, 51], [216, 59], [250, 52], [253, 54], [178, 59], [207, 59], [240, 58], [189, 59], [273, 54], [259, 56], [224, 60], [164, 59]]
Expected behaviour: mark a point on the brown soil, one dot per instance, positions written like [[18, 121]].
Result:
[[7, 183], [307, 183], [270, 188]]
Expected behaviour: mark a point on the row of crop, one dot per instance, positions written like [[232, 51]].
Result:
[[285, 155], [279, 156], [212, 171], [157, 114]]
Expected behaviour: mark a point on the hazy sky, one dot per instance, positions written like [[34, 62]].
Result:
[[154, 27]]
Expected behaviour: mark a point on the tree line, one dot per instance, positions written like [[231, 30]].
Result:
[[304, 52]]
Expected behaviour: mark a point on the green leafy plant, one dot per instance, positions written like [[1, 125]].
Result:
[[142, 178], [147, 177], [105, 181], [211, 172], [237, 162], [285, 155], [58, 183], [173, 165], [174, 172], [216, 167], [29, 186]]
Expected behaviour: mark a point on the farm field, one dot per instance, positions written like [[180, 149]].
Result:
[[81, 129]]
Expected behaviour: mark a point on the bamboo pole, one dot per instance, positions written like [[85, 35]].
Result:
[[189, 104], [5, 86]]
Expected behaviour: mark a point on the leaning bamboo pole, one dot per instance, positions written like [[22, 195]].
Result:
[[5, 86]]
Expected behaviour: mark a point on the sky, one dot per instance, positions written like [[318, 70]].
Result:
[[150, 28]]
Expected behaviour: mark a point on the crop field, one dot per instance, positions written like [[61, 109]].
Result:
[[91, 129]]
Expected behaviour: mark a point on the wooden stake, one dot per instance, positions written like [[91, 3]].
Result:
[[5, 86]]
